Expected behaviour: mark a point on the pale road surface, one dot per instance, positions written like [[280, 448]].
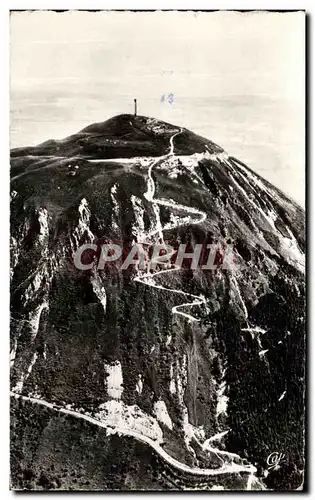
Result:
[[147, 278], [228, 469]]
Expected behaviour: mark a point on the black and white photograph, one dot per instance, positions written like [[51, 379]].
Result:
[[157, 251]]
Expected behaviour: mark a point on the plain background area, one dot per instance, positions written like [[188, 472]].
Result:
[[235, 78], [4, 184]]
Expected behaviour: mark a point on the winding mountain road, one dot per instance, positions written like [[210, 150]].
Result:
[[227, 469], [147, 278]]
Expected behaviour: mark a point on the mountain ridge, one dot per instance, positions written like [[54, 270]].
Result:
[[119, 133]]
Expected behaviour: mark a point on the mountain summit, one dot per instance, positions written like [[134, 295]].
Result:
[[121, 136], [175, 378]]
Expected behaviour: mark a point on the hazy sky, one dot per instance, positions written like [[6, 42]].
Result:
[[193, 54], [236, 78]]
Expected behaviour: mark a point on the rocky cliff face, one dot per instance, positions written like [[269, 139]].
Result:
[[175, 378]]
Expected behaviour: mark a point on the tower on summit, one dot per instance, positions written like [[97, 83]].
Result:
[[135, 101]]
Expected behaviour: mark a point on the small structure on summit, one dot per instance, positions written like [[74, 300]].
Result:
[[135, 101]]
